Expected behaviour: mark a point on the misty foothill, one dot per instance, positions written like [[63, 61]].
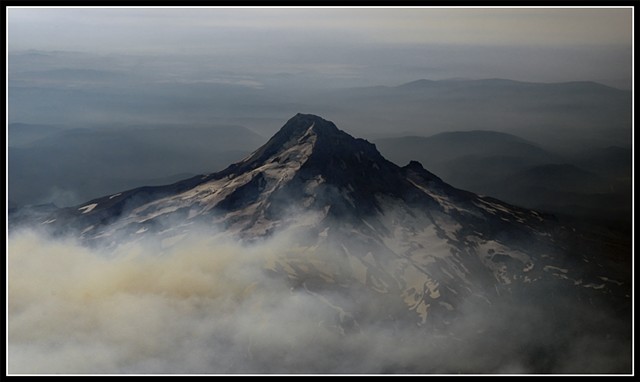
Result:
[[370, 199]]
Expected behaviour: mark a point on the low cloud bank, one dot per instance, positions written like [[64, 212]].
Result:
[[207, 304]]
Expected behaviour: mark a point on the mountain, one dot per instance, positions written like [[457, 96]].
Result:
[[334, 188], [559, 116], [368, 236]]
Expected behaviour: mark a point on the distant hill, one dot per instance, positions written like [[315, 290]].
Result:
[[610, 162], [561, 115], [467, 159], [561, 177], [444, 147], [67, 165], [506, 84], [21, 134], [590, 183]]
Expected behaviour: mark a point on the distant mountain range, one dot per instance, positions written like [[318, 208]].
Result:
[[594, 183], [66, 165], [51, 162], [560, 116]]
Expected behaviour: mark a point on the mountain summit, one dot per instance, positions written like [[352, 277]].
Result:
[[395, 230], [309, 164], [324, 150]]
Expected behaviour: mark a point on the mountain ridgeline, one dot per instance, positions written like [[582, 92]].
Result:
[[425, 251]]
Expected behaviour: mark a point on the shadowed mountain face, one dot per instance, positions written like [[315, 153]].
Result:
[[355, 221]]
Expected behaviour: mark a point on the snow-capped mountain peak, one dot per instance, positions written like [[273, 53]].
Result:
[[398, 230]]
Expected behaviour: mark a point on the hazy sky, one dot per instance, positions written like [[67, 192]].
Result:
[[194, 30], [359, 46]]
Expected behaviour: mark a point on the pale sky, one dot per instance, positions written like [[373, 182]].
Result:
[[372, 46], [190, 30]]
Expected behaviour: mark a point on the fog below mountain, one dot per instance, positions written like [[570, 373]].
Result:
[[207, 304]]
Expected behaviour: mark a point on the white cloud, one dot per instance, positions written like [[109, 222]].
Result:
[[208, 305]]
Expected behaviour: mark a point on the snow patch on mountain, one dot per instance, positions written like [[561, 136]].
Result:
[[88, 208]]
